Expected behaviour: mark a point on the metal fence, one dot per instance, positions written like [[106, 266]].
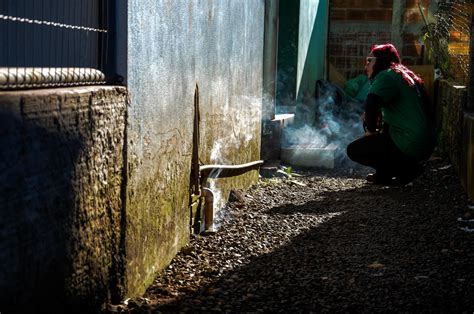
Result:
[[46, 43], [448, 39]]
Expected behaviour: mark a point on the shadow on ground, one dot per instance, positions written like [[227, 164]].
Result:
[[384, 249]]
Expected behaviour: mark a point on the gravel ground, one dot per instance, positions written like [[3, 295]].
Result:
[[327, 241]]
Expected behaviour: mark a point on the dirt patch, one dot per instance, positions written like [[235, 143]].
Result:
[[328, 241]]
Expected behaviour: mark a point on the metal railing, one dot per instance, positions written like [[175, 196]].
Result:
[[48, 43]]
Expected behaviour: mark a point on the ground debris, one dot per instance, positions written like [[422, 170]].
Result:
[[330, 243]]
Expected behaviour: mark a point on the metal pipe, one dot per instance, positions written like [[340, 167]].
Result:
[[215, 171], [208, 210], [224, 171]]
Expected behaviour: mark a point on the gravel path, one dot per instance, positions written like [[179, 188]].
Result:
[[328, 242]]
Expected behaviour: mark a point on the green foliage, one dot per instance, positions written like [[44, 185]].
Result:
[[435, 35], [288, 170]]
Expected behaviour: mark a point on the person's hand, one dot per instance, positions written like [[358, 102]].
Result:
[[362, 117], [379, 124]]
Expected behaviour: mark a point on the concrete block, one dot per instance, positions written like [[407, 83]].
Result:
[[61, 198], [271, 135], [309, 155]]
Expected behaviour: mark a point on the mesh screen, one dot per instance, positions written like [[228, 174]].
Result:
[[447, 39], [47, 43]]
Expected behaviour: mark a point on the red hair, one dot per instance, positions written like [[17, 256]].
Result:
[[389, 58]]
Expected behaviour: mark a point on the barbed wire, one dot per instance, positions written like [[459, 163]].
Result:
[[49, 23]]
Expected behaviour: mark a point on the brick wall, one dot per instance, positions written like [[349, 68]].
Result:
[[347, 51], [413, 49], [355, 25]]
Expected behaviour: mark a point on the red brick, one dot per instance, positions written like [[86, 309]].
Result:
[[369, 4], [364, 49], [334, 38], [412, 50], [458, 48], [386, 3], [465, 37], [352, 50], [454, 35], [338, 14], [412, 16], [350, 4], [356, 15], [410, 4], [413, 4], [410, 37], [379, 15], [340, 62], [419, 61], [355, 63], [342, 3], [408, 61], [335, 50]]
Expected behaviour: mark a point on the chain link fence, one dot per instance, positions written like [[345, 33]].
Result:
[[447, 39]]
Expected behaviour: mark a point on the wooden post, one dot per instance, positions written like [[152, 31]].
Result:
[[398, 24]]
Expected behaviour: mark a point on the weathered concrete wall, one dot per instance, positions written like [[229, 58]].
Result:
[[270, 151], [467, 157], [174, 45], [449, 108], [61, 163], [456, 132]]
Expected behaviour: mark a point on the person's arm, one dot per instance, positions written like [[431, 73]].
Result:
[[373, 103]]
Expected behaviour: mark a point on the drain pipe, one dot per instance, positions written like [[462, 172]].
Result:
[[225, 171], [199, 175], [208, 210]]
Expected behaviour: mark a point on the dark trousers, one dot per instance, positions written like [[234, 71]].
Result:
[[380, 152]]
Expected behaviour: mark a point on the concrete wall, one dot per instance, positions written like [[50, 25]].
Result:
[[95, 181], [456, 132], [61, 162], [450, 101], [467, 157], [174, 46]]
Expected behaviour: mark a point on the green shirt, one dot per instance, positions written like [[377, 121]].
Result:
[[409, 127], [358, 87]]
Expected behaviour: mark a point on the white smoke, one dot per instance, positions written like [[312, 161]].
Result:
[[330, 119]]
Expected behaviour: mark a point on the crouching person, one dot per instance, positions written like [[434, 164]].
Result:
[[394, 147]]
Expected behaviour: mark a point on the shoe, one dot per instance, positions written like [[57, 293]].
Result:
[[378, 179], [408, 177]]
